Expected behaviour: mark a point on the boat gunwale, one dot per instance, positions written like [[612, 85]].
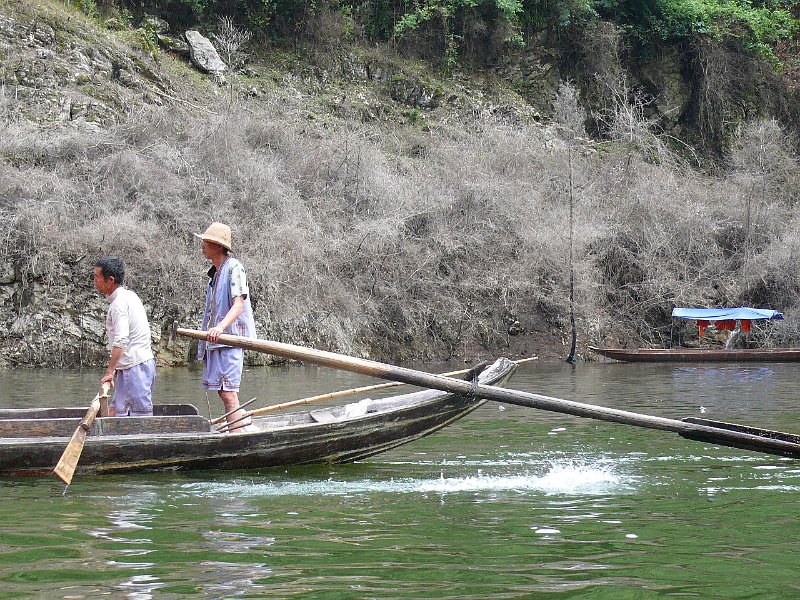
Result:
[[694, 354]]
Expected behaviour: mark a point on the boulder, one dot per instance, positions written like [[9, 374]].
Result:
[[203, 54], [175, 45]]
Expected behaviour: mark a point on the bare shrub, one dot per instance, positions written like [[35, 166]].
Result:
[[569, 116], [661, 248], [628, 123], [733, 85], [618, 110], [755, 195], [146, 125], [39, 233], [772, 279], [356, 243], [761, 153], [499, 200], [601, 48], [26, 146], [780, 334], [9, 113], [230, 42]]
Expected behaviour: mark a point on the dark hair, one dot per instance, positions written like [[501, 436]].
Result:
[[111, 266]]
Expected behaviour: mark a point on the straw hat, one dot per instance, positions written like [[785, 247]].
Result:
[[219, 233]]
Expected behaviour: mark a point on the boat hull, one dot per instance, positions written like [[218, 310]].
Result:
[[700, 354], [33, 444]]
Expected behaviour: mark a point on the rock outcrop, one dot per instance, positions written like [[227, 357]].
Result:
[[204, 55], [67, 71]]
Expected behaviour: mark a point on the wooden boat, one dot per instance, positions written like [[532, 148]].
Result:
[[700, 354], [725, 319], [178, 437]]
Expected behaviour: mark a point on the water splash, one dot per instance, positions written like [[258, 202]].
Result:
[[572, 478], [559, 478]]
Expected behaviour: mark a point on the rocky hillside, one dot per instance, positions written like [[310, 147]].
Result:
[[60, 67], [384, 206], [66, 75]]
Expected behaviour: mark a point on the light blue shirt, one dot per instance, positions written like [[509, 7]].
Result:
[[224, 285]]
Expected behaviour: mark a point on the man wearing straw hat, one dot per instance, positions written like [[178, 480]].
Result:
[[227, 310]]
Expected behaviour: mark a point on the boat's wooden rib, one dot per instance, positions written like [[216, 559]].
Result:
[[32, 440], [700, 354]]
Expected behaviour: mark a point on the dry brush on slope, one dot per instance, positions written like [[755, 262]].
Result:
[[355, 242], [435, 238]]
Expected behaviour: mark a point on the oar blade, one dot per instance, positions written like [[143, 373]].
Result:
[[766, 433], [68, 462], [744, 437], [72, 453]]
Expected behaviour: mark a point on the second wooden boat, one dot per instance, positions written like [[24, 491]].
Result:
[[700, 354]]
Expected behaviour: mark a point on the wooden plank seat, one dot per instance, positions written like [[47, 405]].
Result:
[[61, 422], [159, 410]]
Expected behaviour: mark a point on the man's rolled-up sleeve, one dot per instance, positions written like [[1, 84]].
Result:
[[121, 325]]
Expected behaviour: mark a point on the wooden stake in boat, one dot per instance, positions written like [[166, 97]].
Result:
[[221, 418], [737, 436], [359, 390], [69, 459], [340, 393]]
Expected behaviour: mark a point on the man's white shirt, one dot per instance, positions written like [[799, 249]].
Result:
[[127, 328]]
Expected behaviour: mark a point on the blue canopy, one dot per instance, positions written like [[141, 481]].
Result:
[[725, 314]]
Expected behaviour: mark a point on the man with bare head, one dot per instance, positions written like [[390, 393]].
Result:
[[131, 368]]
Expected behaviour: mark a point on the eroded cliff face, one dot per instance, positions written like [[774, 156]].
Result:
[[50, 319], [61, 68], [56, 318]]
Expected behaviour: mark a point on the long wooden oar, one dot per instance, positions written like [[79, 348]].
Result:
[[762, 441], [69, 459]]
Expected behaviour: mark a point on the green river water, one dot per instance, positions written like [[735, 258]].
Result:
[[507, 503]]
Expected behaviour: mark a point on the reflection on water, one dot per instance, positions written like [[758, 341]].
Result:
[[701, 375], [509, 502]]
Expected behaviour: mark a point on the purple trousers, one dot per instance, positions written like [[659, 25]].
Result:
[[133, 390], [222, 369]]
